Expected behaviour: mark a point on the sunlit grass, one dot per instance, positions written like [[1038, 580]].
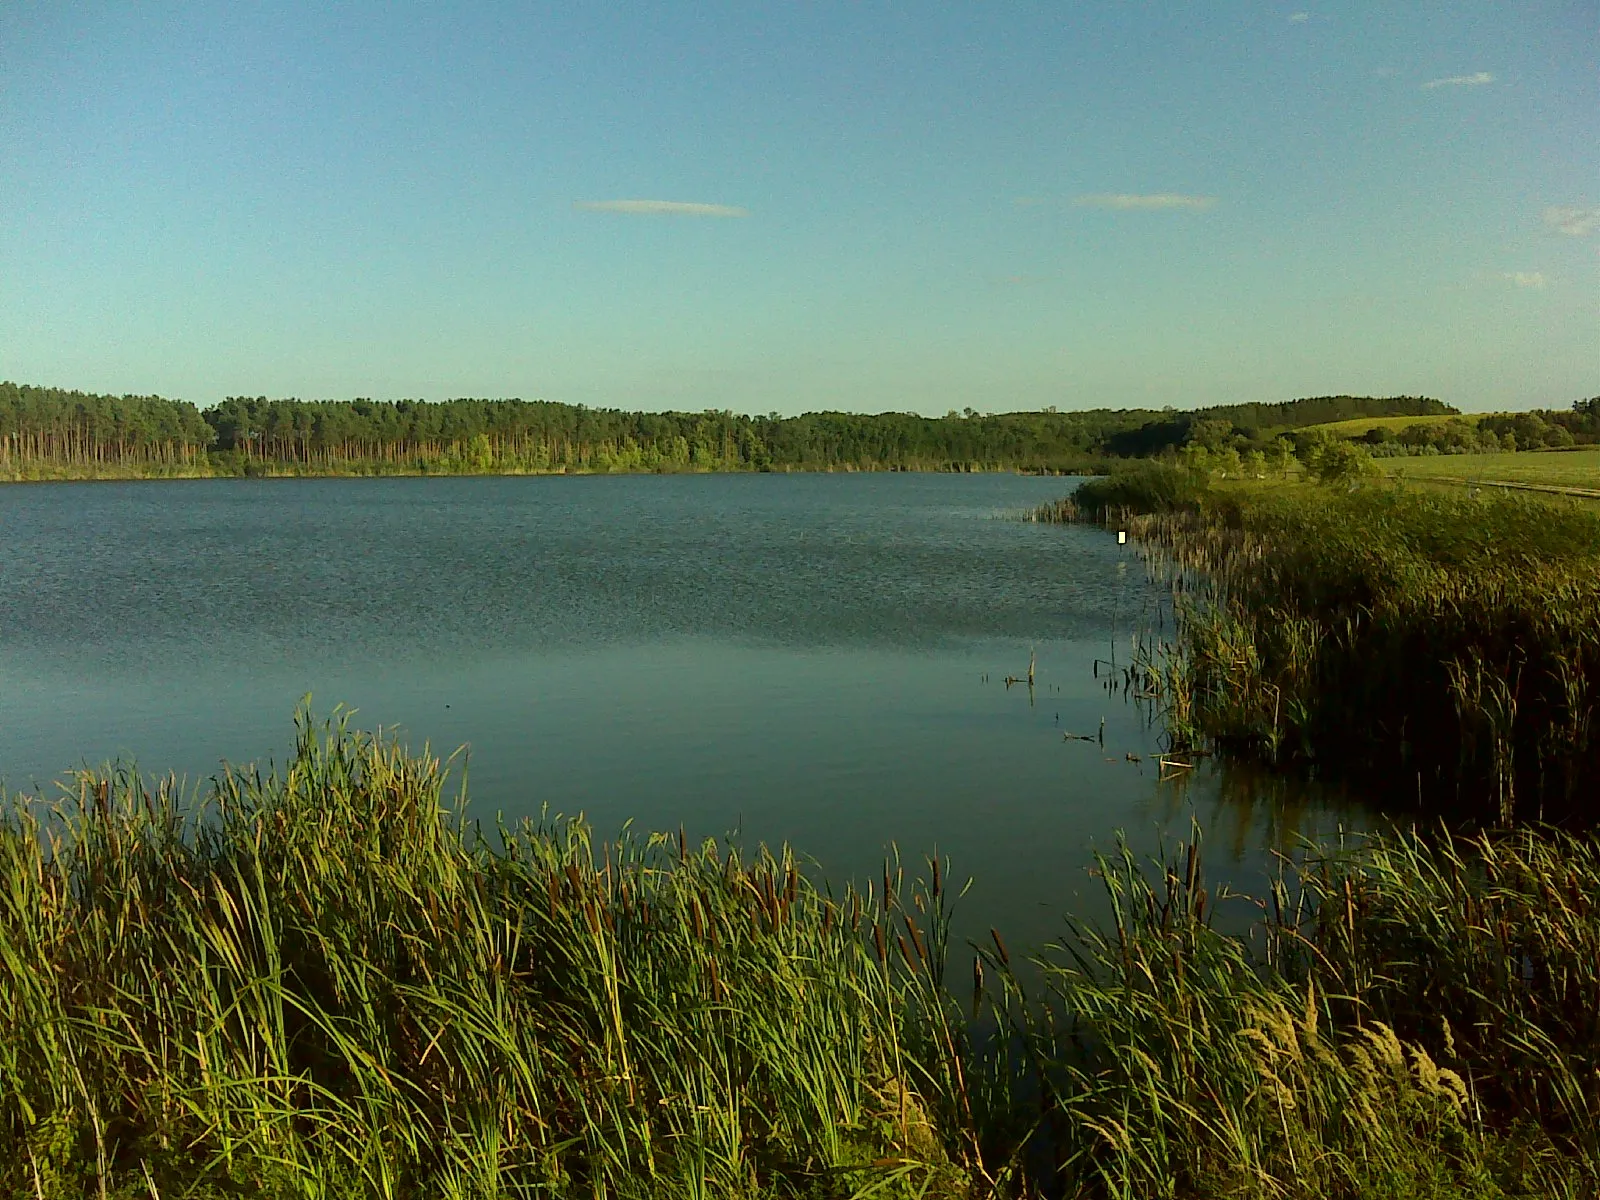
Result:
[[1356, 426], [1560, 468], [325, 982], [321, 983]]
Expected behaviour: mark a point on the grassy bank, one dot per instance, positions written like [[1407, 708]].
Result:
[[1443, 649], [322, 983]]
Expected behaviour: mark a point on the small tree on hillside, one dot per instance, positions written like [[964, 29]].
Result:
[[1280, 453], [1340, 461], [1212, 433]]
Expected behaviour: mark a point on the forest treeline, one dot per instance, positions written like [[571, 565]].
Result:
[[50, 431]]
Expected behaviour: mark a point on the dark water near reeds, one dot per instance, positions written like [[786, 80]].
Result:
[[811, 658]]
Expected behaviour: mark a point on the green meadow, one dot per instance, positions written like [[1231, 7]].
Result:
[[1579, 468]]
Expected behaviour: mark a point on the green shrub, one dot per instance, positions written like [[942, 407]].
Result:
[[1145, 487]]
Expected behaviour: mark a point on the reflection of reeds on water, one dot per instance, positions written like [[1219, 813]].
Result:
[[324, 983], [1249, 807]]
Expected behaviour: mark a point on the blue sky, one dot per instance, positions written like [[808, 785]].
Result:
[[789, 207]]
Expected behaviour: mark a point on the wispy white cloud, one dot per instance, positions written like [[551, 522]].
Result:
[[1525, 279], [1299, 16], [1142, 202], [1572, 221], [661, 208], [1477, 79]]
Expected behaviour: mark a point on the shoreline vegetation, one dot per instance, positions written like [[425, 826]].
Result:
[[50, 433], [1441, 649], [326, 981]]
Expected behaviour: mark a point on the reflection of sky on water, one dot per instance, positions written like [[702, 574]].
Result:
[[816, 659]]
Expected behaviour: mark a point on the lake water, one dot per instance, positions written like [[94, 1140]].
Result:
[[810, 658]]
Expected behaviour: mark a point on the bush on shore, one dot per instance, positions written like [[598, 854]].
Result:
[[1147, 486]]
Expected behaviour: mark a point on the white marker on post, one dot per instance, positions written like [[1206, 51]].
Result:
[[1122, 537]]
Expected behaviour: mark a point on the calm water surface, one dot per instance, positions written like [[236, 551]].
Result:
[[811, 658]]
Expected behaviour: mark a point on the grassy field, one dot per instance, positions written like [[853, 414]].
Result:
[[326, 983], [1558, 468]]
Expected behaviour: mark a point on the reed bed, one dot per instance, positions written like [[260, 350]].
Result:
[[1443, 650], [1325, 1052], [320, 982], [324, 981]]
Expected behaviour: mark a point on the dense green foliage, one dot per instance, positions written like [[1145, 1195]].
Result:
[[523, 435], [1547, 429], [1320, 410], [1140, 488], [1245, 431], [1444, 648], [324, 983], [46, 425], [1246, 427], [1540, 429], [1444, 437], [46, 432]]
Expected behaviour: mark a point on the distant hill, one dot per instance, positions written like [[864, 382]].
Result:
[[1354, 427], [1322, 410], [1261, 421]]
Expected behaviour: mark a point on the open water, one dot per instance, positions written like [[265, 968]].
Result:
[[811, 658]]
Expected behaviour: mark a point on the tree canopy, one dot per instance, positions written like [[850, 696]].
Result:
[[248, 433]]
